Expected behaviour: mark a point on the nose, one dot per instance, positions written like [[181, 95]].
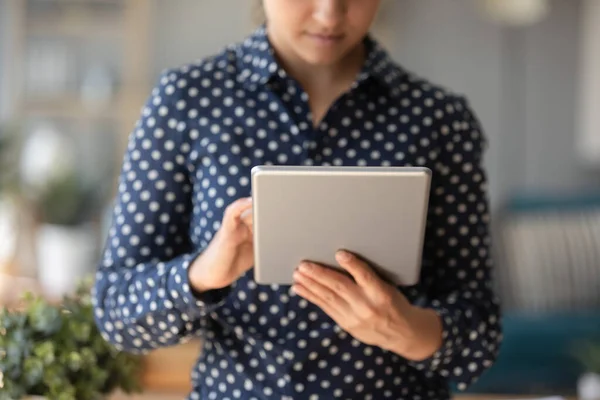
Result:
[[329, 13]]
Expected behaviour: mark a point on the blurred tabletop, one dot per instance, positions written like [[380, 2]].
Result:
[[149, 396], [172, 396]]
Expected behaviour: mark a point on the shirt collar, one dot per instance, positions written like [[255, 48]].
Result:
[[258, 64]]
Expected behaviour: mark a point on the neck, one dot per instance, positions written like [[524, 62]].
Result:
[[321, 77]]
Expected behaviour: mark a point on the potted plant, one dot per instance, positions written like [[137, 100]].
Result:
[[66, 237], [588, 355], [4, 159], [66, 203], [56, 352]]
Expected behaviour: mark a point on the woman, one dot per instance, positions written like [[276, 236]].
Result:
[[310, 87]]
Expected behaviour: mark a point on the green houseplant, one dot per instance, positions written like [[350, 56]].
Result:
[[587, 355], [8, 158], [56, 351], [64, 196], [67, 201]]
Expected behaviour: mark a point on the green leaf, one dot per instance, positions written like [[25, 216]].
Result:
[[46, 352], [13, 352], [75, 361], [68, 393], [53, 377], [88, 356], [44, 318], [12, 321], [588, 355], [33, 370], [10, 391], [58, 352], [80, 331]]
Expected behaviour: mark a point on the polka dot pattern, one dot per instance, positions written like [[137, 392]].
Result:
[[203, 128]]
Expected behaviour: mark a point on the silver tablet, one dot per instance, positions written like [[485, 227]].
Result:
[[309, 212]]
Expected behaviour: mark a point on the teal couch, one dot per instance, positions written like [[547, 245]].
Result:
[[537, 355]]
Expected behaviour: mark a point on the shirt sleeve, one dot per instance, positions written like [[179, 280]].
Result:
[[142, 298], [457, 273]]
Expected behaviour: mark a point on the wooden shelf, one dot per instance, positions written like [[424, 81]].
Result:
[[87, 2], [153, 395], [72, 107], [169, 369], [78, 19], [76, 28], [159, 395]]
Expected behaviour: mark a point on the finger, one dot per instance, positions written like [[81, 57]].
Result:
[[334, 280], [362, 273], [327, 301], [247, 217], [234, 211], [324, 294], [306, 294]]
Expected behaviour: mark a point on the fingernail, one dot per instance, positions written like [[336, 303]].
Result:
[[343, 255], [305, 267]]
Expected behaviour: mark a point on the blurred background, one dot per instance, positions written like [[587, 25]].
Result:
[[75, 73]]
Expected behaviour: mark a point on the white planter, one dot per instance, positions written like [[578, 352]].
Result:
[[64, 256], [588, 387]]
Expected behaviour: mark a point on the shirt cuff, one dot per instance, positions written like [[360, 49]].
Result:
[[186, 298], [450, 342]]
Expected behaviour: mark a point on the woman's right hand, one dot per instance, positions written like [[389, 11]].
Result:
[[230, 253]]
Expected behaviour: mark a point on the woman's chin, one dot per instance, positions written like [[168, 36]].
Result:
[[321, 58]]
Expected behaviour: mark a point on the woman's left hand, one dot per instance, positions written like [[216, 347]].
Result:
[[371, 310]]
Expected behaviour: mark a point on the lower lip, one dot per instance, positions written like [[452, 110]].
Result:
[[325, 40]]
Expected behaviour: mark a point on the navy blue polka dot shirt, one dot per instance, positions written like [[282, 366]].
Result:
[[203, 128]]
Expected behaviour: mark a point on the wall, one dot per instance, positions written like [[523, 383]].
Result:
[[589, 84], [549, 86], [448, 43], [522, 83], [4, 23], [191, 29]]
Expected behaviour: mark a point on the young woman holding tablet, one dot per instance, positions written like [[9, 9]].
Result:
[[309, 87]]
